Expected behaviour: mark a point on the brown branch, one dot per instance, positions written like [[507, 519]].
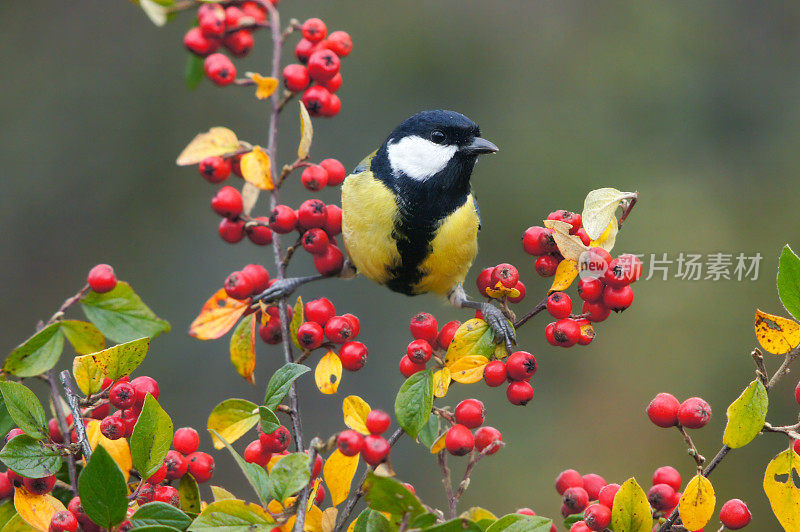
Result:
[[627, 210], [80, 428], [441, 458], [536, 310], [65, 306], [692, 450]]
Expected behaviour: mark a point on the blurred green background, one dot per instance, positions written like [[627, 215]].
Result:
[[692, 104]]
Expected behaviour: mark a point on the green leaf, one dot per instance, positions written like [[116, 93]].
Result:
[[84, 336], [372, 521], [121, 315], [232, 515], [232, 418], [7, 511], [256, 475], [521, 523], [159, 513], [298, 317], [473, 337], [17, 524], [414, 401], [386, 494], [120, 360], [289, 475], [631, 511], [6, 421], [789, 281], [193, 72], [746, 416], [151, 438], [30, 458], [25, 409], [460, 524], [157, 528], [422, 521], [102, 488], [571, 519], [189, 493], [38, 354], [281, 381], [430, 432], [269, 421]]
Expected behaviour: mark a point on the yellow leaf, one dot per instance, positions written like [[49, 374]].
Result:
[[438, 445], [570, 246], [217, 141], [219, 314], [338, 472], [631, 512], [609, 236], [313, 520], [473, 337], [476, 513], [776, 335], [352, 526], [501, 291], [306, 133], [243, 348], [329, 516], [221, 494], [36, 510], [587, 330], [257, 169], [697, 503], [313, 494], [232, 419], [783, 495], [355, 413], [441, 382], [468, 369], [599, 208], [87, 374], [566, 272], [328, 373], [119, 450], [265, 86]]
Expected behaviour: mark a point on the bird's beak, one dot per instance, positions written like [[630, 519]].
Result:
[[480, 146]]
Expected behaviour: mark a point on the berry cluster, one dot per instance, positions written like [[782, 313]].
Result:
[[459, 439], [666, 411], [428, 340], [322, 323], [320, 60], [589, 494], [539, 242], [373, 448], [517, 370], [501, 282], [224, 24]]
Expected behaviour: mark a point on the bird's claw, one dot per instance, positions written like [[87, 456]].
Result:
[[503, 330], [280, 288]]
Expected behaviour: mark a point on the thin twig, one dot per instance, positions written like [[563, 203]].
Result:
[[693, 452], [441, 458], [80, 428], [536, 310], [627, 210], [63, 427], [761, 369], [65, 306]]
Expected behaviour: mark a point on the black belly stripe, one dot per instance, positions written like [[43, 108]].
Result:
[[413, 245]]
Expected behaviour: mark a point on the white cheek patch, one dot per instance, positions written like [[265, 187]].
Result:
[[419, 158]]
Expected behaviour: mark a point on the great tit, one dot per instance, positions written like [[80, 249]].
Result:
[[409, 219]]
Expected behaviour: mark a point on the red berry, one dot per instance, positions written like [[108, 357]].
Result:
[[186, 440], [797, 393], [316, 99], [77, 510], [144, 385], [408, 367], [505, 274], [593, 483], [566, 332], [333, 226], [376, 450], [199, 44], [255, 11], [447, 333], [201, 466], [239, 43], [314, 30], [538, 241], [312, 213], [667, 475], [587, 332], [520, 366], [122, 395], [735, 514], [335, 169], [494, 373], [63, 521], [354, 323], [568, 479], [40, 486], [339, 329], [419, 351], [314, 177], [575, 499], [378, 422], [320, 496], [319, 310], [129, 416], [559, 305], [577, 526], [304, 49], [590, 288], [177, 465], [694, 413], [661, 497], [212, 25], [233, 16], [238, 286], [332, 106], [254, 453], [350, 442], [519, 392], [423, 326], [102, 278], [14, 478], [584, 236], [470, 413], [615, 274], [276, 441], [310, 335], [353, 355], [484, 281], [169, 495], [525, 511], [54, 431], [340, 43], [159, 476], [283, 219], [333, 84], [219, 69], [210, 9], [231, 231], [569, 217], [486, 437], [215, 169], [147, 493], [597, 517], [315, 241], [227, 202], [521, 289], [258, 275], [296, 78], [595, 311], [459, 440], [663, 410], [112, 428], [607, 494], [632, 267], [546, 265]]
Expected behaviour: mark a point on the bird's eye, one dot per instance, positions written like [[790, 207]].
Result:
[[438, 137]]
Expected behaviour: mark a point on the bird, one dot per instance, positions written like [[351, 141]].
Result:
[[410, 221]]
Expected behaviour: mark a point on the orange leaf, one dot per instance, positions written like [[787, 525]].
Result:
[[566, 272], [36, 510], [119, 450], [264, 86], [500, 291], [218, 316], [776, 334], [243, 348]]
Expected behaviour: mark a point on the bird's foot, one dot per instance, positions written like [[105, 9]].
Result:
[[280, 288], [503, 330]]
